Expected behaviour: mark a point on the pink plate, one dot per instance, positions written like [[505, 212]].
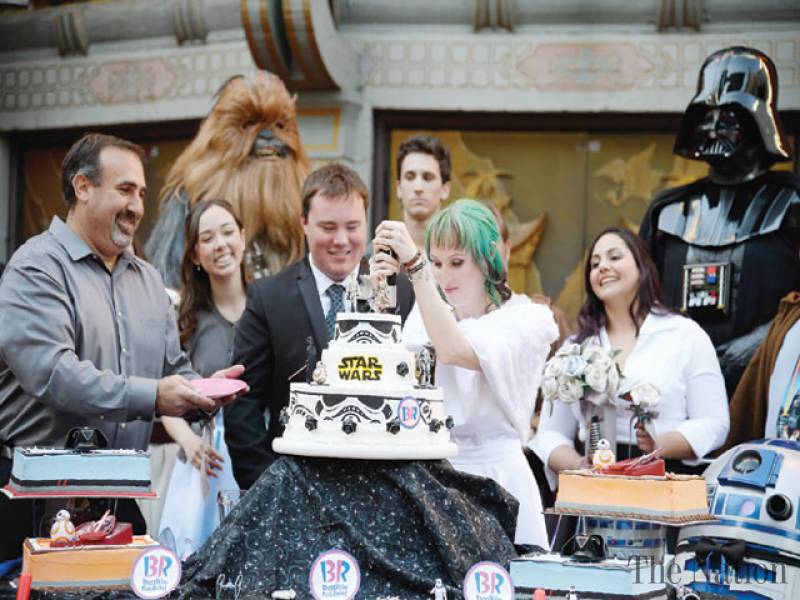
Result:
[[218, 387]]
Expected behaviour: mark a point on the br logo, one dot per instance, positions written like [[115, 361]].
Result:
[[156, 573], [408, 412], [334, 576], [488, 581]]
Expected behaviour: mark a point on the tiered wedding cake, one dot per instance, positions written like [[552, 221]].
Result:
[[366, 400]]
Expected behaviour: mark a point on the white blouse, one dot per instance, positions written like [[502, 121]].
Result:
[[511, 344], [492, 407], [674, 354]]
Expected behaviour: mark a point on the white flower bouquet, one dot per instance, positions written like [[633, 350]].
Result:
[[643, 398], [585, 373], [581, 371]]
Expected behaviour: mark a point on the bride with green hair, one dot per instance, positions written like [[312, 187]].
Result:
[[491, 345]]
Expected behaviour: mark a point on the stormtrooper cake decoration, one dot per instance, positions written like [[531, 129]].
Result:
[[369, 397]]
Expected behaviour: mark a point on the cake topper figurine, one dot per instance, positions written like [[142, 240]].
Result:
[[364, 297], [439, 591], [62, 532], [425, 364], [572, 595], [381, 299], [353, 292], [588, 547], [311, 358], [385, 294], [603, 456], [595, 434], [85, 438], [320, 375]]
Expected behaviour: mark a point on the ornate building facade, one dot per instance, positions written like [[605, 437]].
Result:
[[562, 112]]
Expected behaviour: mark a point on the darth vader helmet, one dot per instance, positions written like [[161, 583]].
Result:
[[733, 117]]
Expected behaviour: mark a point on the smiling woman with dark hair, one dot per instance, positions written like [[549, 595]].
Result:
[[624, 312], [213, 296]]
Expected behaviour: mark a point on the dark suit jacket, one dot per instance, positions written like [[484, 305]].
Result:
[[282, 311]]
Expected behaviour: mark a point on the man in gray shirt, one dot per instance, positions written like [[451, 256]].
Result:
[[87, 333]]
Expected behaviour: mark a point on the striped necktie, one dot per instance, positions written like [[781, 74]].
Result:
[[336, 294]]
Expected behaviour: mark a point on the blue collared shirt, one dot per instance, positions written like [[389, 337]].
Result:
[[80, 345]]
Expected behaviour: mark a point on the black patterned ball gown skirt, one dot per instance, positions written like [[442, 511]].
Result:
[[407, 523]]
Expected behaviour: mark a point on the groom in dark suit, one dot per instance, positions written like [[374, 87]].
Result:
[[299, 302]]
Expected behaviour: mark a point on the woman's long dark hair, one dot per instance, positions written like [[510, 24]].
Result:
[[592, 317], [195, 285]]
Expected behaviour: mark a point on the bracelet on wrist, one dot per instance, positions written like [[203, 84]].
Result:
[[408, 264], [413, 270]]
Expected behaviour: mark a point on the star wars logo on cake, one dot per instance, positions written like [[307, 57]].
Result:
[[488, 581], [360, 368], [335, 575], [156, 573]]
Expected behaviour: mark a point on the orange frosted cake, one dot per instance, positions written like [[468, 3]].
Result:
[[671, 499], [82, 566]]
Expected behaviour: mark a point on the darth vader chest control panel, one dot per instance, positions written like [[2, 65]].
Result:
[[706, 289]]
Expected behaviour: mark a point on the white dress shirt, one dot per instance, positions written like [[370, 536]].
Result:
[[674, 354], [324, 282]]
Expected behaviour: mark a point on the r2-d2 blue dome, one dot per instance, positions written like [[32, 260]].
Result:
[[752, 551]]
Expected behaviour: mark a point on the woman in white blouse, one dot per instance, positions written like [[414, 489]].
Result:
[[624, 312], [490, 345]]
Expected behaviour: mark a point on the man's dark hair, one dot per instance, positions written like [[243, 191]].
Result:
[[333, 181], [84, 157], [425, 144]]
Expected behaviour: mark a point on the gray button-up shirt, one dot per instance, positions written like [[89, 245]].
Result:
[[80, 345]]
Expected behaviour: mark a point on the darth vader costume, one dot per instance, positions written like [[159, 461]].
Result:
[[728, 246]]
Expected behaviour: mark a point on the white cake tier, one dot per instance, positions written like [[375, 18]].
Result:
[[366, 328], [381, 423], [369, 365]]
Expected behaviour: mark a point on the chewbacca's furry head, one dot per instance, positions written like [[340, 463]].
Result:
[[248, 152]]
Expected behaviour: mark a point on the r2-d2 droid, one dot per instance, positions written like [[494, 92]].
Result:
[[752, 551]]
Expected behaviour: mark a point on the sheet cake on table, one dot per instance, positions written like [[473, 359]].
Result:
[[60, 473], [669, 499], [82, 567], [610, 579]]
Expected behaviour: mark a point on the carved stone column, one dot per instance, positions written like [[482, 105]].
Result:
[[297, 40]]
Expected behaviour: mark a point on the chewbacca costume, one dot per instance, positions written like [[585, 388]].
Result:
[[248, 152]]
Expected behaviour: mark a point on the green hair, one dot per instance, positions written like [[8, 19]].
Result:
[[468, 225]]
